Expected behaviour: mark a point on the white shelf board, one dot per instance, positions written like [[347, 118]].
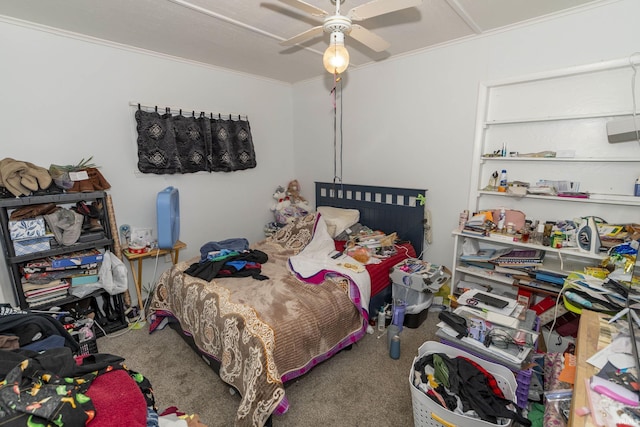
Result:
[[558, 118], [609, 199], [486, 274], [563, 252], [563, 159]]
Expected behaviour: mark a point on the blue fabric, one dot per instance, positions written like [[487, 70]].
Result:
[[53, 341], [222, 254], [152, 418], [234, 244], [238, 265]]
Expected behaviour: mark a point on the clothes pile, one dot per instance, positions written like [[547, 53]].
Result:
[[55, 388], [22, 178], [228, 258], [464, 387], [32, 331]]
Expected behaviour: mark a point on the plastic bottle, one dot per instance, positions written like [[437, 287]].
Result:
[[502, 187], [636, 191], [399, 308], [381, 319], [525, 233], [501, 218], [394, 349]]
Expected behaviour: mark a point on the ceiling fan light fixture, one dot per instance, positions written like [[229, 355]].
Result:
[[336, 57]]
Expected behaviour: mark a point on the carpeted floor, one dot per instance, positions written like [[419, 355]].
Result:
[[360, 387]]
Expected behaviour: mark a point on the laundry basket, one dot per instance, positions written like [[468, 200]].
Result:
[[428, 413]]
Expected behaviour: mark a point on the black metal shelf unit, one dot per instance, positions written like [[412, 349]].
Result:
[[101, 241]]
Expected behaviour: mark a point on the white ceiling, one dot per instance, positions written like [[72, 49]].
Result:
[[244, 35]]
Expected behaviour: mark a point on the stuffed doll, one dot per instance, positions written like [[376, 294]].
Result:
[[293, 191], [282, 200]]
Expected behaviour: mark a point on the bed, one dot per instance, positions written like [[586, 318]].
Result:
[[306, 307]]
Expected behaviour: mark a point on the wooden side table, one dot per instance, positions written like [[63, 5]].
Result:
[[137, 272]]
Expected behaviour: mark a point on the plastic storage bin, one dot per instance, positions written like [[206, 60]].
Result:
[[416, 301], [428, 413], [414, 281], [418, 304]]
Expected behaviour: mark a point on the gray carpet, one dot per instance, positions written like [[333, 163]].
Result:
[[360, 387]]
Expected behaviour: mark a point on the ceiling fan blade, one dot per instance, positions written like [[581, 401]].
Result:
[[379, 7], [369, 39], [303, 37], [306, 7]]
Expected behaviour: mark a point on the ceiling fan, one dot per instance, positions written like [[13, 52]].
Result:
[[336, 57]]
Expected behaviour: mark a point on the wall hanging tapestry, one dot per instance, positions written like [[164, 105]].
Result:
[[170, 144]]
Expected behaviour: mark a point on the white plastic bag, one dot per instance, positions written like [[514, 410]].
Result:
[[113, 274], [112, 277]]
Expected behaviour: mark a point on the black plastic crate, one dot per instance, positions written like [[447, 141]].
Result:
[[87, 346]]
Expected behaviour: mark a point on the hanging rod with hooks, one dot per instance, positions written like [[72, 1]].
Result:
[[187, 111]]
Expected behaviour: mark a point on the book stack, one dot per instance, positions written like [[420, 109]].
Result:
[[489, 259], [475, 226], [520, 258], [481, 259], [39, 294], [49, 279]]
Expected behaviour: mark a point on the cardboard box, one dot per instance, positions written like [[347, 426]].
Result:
[[27, 228], [84, 279], [525, 297], [26, 247], [76, 259]]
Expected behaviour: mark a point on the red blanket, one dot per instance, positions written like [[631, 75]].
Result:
[[379, 273], [118, 401]]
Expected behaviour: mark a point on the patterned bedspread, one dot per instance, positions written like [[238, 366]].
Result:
[[267, 332]]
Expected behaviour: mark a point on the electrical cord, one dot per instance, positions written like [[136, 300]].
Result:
[[150, 291], [404, 249], [501, 339], [571, 286], [337, 86]]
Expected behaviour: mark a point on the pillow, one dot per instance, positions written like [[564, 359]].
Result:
[[295, 235], [352, 230], [338, 219]]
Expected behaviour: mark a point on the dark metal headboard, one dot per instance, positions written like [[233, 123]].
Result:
[[381, 208]]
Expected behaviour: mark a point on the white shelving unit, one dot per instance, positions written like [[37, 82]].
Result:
[[563, 111]]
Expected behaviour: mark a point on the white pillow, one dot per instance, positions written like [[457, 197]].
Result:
[[338, 219]]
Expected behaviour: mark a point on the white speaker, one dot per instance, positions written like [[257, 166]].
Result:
[[621, 130]]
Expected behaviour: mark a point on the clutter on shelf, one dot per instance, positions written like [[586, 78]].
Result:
[[20, 178], [83, 177], [512, 226]]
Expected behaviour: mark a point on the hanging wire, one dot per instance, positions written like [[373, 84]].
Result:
[[337, 142], [341, 133]]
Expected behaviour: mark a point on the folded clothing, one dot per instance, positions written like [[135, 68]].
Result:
[[22, 178]]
